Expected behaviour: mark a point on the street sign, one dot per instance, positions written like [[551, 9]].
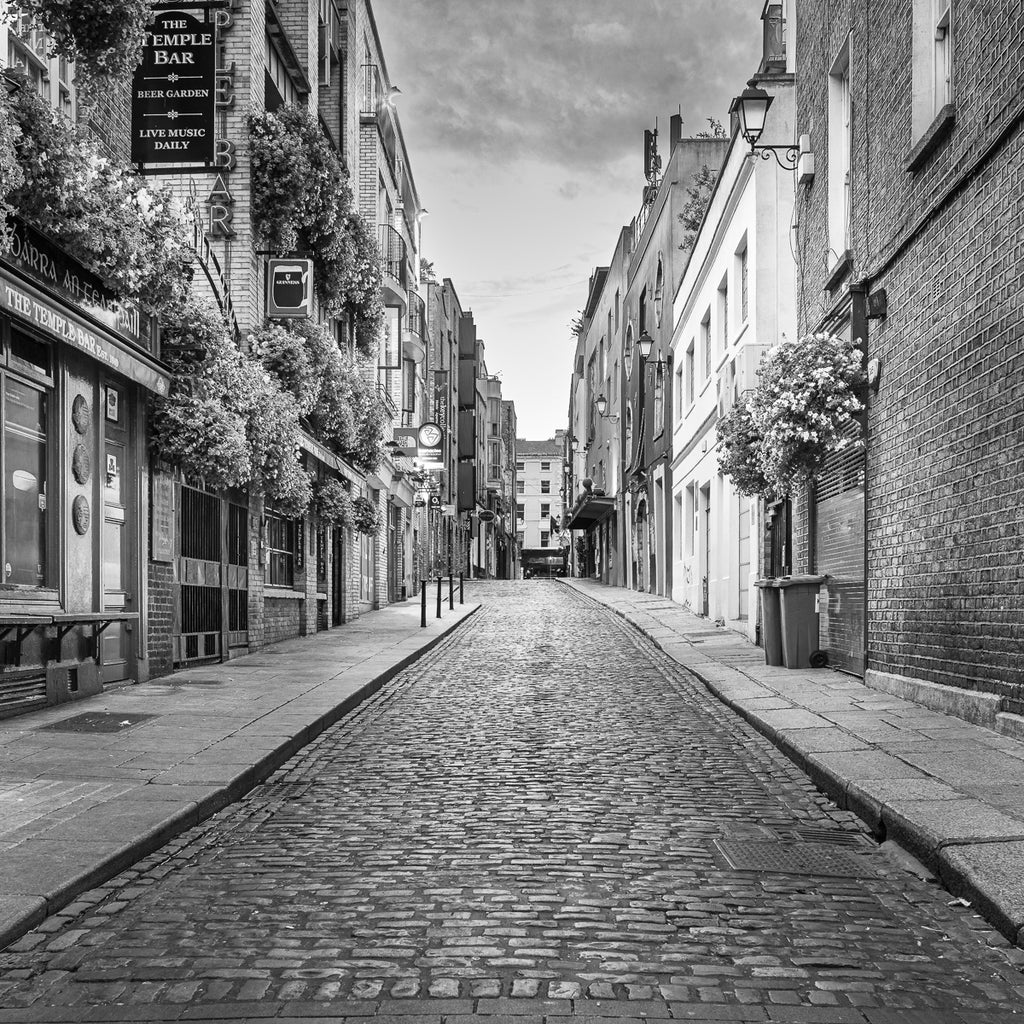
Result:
[[407, 441], [174, 92], [430, 438], [434, 501], [486, 516], [289, 288]]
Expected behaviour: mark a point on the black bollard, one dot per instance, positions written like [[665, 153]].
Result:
[[439, 597], [451, 592], [423, 604], [461, 598]]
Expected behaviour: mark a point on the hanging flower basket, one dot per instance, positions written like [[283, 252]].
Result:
[[332, 503], [365, 517], [799, 414]]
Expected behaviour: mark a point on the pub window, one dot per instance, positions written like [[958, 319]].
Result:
[[24, 455], [282, 545]]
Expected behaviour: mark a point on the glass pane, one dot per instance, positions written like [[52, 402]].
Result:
[[26, 407], [29, 352], [25, 508], [113, 534]]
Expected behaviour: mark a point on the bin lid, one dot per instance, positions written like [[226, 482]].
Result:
[[792, 581], [764, 584]]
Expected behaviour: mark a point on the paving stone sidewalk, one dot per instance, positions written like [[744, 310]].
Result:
[[949, 792], [89, 787]]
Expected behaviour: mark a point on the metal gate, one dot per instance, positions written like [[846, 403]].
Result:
[[213, 567]]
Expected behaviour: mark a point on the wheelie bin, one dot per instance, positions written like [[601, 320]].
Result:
[[771, 621], [799, 614]]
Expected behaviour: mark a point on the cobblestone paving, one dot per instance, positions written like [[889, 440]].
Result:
[[532, 821]]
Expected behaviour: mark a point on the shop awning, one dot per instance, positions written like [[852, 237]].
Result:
[[590, 510]]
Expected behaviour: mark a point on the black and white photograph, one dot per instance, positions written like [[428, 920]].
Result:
[[512, 511]]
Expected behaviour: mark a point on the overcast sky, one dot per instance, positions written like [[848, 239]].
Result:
[[524, 123]]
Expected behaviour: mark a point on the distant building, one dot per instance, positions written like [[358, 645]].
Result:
[[540, 529]]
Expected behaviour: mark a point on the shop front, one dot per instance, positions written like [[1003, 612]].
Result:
[[76, 366]]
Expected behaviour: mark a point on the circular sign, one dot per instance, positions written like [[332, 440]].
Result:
[[81, 464], [80, 413], [430, 435], [486, 516], [80, 515]]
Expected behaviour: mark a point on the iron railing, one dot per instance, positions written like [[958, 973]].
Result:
[[417, 315], [393, 254]]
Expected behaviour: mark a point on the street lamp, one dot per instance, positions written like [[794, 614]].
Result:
[[751, 109], [602, 409], [644, 345]]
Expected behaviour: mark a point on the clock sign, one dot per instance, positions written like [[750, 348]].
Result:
[[430, 437]]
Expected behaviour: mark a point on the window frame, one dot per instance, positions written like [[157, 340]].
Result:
[[293, 552]]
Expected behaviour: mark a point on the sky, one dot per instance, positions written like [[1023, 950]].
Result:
[[524, 121]]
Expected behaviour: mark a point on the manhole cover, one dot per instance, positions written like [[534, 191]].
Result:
[[97, 721], [791, 859], [826, 836]]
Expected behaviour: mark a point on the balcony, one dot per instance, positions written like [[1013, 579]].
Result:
[[395, 264], [414, 345], [773, 57]]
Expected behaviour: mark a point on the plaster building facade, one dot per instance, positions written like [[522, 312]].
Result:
[[539, 508], [736, 299]]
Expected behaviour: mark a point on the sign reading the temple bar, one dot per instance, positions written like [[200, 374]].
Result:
[[289, 288], [174, 91]]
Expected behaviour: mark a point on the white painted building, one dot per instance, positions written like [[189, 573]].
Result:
[[736, 299], [539, 481]]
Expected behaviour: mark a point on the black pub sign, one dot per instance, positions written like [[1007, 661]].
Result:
[[174, 91]]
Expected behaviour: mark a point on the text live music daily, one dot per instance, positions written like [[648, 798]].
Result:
[[174, 92]]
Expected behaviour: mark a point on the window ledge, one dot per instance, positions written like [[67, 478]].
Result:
[[937, 131], [839, 270], [284, 592]]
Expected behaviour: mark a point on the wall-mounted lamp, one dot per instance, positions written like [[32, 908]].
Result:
[[602, 409], [575, 442], [751, 108], [644, 345]]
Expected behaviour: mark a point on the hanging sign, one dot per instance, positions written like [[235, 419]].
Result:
[[406, 441], [289, 288], [174, 91], [429, 438]]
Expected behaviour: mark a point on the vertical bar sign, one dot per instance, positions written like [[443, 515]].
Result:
[[173, 91]]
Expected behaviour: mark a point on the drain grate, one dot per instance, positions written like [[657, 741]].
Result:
[[97, 721], [791, 859], [826, 837]]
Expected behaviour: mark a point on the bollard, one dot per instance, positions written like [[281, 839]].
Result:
[[439, 597], [451, 592], [423, 604], [461, 599]]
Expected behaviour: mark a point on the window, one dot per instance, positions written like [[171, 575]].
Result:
[[616, 309], [691, 369], [628, 350], [705, 342], [642, 318], [741, 276], [25, 415], [839, 126], [679, 397], [545, 509], [28, 51], [520, 510], [659, 288], [545, 467], [282, 545], [932, 62], [520, 466], [723, 317], [659, 399], [520, 487], [545, 536], [545, 487]]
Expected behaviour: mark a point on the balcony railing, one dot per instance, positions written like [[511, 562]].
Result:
[[393, 254], [372, 90], [417, 315]]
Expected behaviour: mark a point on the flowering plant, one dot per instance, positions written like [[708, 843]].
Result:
[[103, 37], [739, 449], [799, 413], [299, 190], [131, 234], [365, 516], [333, 503]]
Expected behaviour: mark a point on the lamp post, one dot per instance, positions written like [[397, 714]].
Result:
[[751, 109]]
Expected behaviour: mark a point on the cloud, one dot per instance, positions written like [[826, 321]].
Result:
[[567, 82], [570, 190]]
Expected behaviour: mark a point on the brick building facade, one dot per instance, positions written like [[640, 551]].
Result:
[[909, 239]]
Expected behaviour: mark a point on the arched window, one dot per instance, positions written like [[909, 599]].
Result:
[[629, 343]]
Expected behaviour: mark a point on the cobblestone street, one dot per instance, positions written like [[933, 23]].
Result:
[[543, 816]]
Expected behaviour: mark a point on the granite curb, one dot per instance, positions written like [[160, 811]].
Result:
[[21, 912], [975, 850]]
